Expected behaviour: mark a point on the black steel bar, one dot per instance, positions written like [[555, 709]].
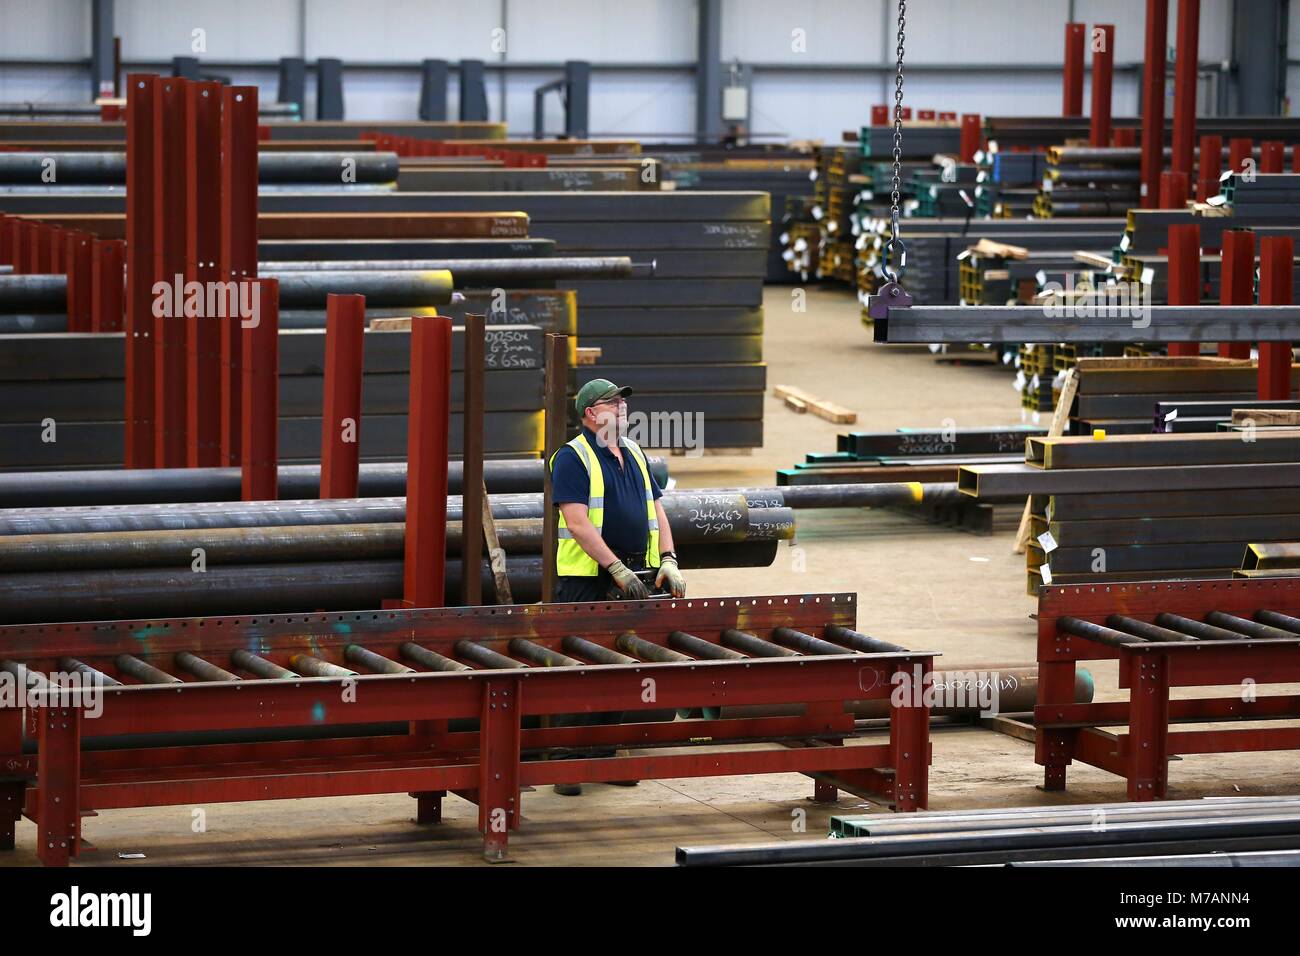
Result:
[[375, 662], [754, 646], [629, 643], [595, 652], [860, 642], [81, 667], [310, 666], [246, 660], [485, 656], [700, 648], [542, 656], [804, 643], [203, 670], [1247, 627], [132, 666], [431, 659], [1096, 632], [1146, 630], [1199, 629]]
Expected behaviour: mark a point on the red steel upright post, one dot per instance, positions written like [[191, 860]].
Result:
[[340, 441], [107, 285], [260, 366], [879, 115], [238, 259], [1237, 282], [1240, 150], [428, 425], [1184, 132], [202, 249], [970, 136], [1072, 100], [6, 240], [1173, 189], [1276, 287], [1209, 165], [169, 267], [57, 240], [80, 269], [1184, 277], [1272, 156], [1103, 74], [1153, 101], [141, 196]]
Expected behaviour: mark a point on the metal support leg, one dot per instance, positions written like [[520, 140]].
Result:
[[1053, 749], [909, 739], [1148, 737], [345, 326], [428, 806], [498, 805], [59, 779]]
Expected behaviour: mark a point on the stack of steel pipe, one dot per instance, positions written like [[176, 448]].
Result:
[[1186, 828], [156, 560], [1088, 181]]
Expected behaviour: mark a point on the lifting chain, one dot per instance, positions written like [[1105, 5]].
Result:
[[895, 241]]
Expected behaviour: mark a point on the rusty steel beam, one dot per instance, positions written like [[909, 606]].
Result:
[[108, 288], [345, 325], [1209, 164], [79, 262], [473, 488], [1184, 277], [1072, 98], [1184, 127], [1237, 281]]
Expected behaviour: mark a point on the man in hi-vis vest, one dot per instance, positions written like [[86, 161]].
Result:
[[612, 523]]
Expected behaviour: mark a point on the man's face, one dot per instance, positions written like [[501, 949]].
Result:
[[609, 418]]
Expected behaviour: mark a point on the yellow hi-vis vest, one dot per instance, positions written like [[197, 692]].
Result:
[[570, 559]]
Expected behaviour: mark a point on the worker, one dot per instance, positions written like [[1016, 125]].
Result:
[[612, 522]]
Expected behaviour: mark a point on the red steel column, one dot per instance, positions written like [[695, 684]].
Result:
[[57, 239], [238, 258], [1240, 149], [1072, 100], [17, 244], [340, 440], [107, 277], [1153, 101], [169, 267], [1276, 278], [202, 249], [428, 424], [1103, 74], [1186, 53], [1209, 165], [1237, 282], [6, 240], [879, 115], [141, 195], [1184, 277], [1271, 156], [1173, 189], [80, 269], [260, 365], [970, 136]]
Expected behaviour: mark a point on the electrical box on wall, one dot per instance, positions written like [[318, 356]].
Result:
[[735, 104]]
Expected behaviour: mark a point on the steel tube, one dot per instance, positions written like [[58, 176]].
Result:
[[469, 273], [629, 643], [486, 657]]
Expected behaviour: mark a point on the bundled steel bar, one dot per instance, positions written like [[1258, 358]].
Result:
[[110, 168], [470, 273]]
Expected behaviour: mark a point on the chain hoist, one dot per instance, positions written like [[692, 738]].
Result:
[[891, 293]]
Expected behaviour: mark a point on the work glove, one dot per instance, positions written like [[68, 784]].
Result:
[[628, 582], [669, 572]]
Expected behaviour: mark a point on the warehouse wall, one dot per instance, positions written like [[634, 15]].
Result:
[[781, 36]]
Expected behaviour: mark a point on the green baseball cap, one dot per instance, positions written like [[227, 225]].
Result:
[[598, 390]]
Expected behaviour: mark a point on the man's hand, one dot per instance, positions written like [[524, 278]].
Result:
[[627, 581], [669, 572]]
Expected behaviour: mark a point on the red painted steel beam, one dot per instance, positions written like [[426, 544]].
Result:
[[1276, 277], [1241, 152], [107, 296], [1272, 156], [202, 249], [260, 368], [1173, 189], [1072, 99], [1184, 277], [81, 279], [6, 240], [14, 240], [169, 268], [970, 136], [57, 239], [141, 196], [1237, 281], [345, 324], [238, 252], [1184, 131], [1208, 167], [1103, 76], [472, 487], [428, 422], [1153, 101], [880, 115]]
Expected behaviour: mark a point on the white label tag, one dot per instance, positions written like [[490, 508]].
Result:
[[1047, 541], [1046, 572]]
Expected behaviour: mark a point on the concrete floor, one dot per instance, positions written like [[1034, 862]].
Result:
[[925, 587]]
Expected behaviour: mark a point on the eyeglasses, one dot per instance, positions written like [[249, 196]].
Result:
[[617, 400]]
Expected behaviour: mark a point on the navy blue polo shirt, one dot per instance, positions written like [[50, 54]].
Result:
[[625, 529]]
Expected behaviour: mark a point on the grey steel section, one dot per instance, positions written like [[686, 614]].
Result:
[[433, 90], [101, 48], [1259, 47], [292, 87], [329, 89], [708, 71], [473, 92]]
